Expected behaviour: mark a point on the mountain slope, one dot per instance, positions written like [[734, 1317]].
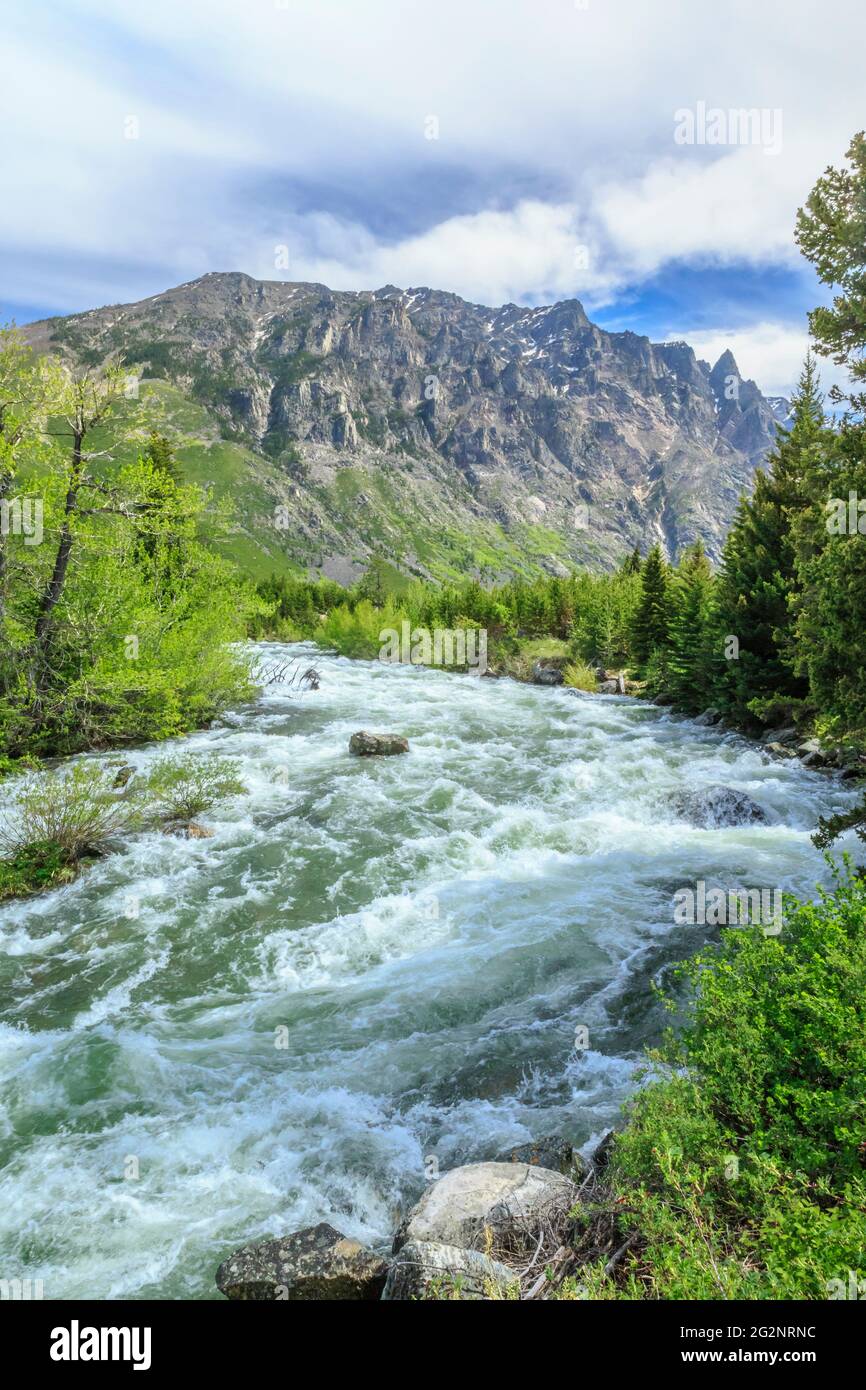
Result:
[[443, 434]]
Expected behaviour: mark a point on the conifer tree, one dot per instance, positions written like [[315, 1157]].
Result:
[[632, 564], [831, 233], [650, 630], [759, 583], [690, 649]]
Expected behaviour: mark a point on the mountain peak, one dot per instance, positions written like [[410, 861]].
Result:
[[726, 366]]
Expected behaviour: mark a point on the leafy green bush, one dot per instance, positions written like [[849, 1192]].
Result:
[[179, 788], [75, 810], [355, 631], [744, 1169], [33, 869]]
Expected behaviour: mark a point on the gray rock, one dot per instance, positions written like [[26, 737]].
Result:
[[663, 698], [709, 717], [368, 745], [812, 754], [122, 776], [712, 808], [610, 687], [506, 1199], [788, 735], [313, 1264], [546, 673], [432, 1270], [550, 1152], [780, 750]]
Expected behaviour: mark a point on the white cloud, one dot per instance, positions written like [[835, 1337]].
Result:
[[264, 125], [738, 208], [487, 256]]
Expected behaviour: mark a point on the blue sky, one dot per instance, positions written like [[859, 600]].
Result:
[[519, 150]]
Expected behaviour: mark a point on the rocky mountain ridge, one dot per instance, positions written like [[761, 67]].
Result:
[[444, 435]]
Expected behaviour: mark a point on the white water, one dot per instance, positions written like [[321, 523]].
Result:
[[429, 929]]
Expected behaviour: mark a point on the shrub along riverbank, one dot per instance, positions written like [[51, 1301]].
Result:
[[741, 1173]]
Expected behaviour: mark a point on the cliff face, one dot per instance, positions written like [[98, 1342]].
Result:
[[444, 434]]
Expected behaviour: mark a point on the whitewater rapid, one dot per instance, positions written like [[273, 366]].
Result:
[[372, 962]]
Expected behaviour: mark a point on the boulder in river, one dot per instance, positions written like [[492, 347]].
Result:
[[713, 808], [368, 745], [551, 1152], [122, 776], [316, 1263], [187, 830], [780, 750], [812, 753], [508, 1201], [547, 673], [431, 1270], [709, 717]]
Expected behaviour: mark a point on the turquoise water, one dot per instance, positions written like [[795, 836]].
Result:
[[423, 933]]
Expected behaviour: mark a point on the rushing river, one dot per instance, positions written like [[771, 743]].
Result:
[[372, 961]]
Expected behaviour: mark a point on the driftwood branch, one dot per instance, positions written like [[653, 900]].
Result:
[[289, 674]]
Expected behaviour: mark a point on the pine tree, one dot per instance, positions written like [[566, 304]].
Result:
[[690, 650], [650, 630], [830, 609], [161, 455], [759, 583], [632, 564], [831, 233]]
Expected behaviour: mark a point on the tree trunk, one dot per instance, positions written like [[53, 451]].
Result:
[[54, 587]]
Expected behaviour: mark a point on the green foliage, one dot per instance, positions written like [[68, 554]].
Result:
[[161, 455], [74, 810], [830, 607], [355, 631], [652, 617], [690, 664], [118, 624], [579, 676], [831, 233], [181, 787], [55, 819], [743, 1169], [760, 581], [34, 869], [604, 609]]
